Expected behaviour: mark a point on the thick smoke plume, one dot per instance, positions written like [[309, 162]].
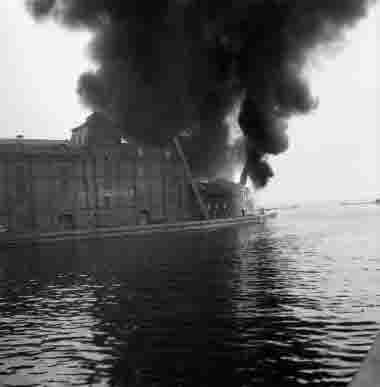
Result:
[[165, 66]]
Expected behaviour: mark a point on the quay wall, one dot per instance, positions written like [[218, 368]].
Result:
[[32, 238], [53, 185]]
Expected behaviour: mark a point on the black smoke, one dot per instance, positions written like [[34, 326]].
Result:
[[165, 66]]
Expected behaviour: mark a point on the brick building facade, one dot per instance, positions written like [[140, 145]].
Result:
[[89, 181]]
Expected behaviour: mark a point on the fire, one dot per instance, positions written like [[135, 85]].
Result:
[[236, 172]]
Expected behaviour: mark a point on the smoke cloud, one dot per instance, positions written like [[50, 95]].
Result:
[[166, 66]]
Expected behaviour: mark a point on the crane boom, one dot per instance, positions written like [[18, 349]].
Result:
[[189, 176]]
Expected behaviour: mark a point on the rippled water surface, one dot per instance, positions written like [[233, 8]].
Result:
[[292, 302]]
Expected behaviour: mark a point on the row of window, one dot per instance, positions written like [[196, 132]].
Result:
[[129, 195], [174, 190], [216, 206], [174, 197]]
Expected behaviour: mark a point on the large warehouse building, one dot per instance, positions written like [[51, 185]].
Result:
[[96, 179], [93, 180]]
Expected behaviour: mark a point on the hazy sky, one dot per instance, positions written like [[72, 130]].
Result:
[[334, 152]]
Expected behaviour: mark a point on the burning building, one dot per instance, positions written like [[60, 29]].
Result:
[[161, 67], [98, 179], [166, 65]]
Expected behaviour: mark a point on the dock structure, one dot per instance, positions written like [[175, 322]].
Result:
[[369, 373], [29, 239]]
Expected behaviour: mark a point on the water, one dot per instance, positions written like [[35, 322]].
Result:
[[292, 302]]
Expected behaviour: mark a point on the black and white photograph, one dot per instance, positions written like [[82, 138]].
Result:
[[189, 193]]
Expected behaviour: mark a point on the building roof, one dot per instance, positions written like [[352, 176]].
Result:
[[95, 119], [31, 141], [35, 146], [10, 147]]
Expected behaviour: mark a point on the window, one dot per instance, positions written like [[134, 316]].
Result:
[[66, 221], [64, 177], [107, 173], [20, 181], [156, 169], [131, 193], [3, 224], [179, 196], [107, 202], [140, 171], [167, 154]]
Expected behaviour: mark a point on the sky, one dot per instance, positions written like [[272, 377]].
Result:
[[334, 151], [39, 68]]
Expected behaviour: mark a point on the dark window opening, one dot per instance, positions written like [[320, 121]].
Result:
[[107, 202], [132, 193], [64, 176], [107, 173], [180, 197], [144, 217], [66, 221], [20, 181]]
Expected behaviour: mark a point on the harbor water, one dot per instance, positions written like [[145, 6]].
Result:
[[291, 302]]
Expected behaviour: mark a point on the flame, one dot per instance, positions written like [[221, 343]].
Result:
[[232, 120], [236, 172]]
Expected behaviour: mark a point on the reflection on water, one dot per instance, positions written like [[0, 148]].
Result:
[[292, 302]]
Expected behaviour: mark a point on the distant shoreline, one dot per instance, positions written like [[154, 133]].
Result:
[[352, 203]]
